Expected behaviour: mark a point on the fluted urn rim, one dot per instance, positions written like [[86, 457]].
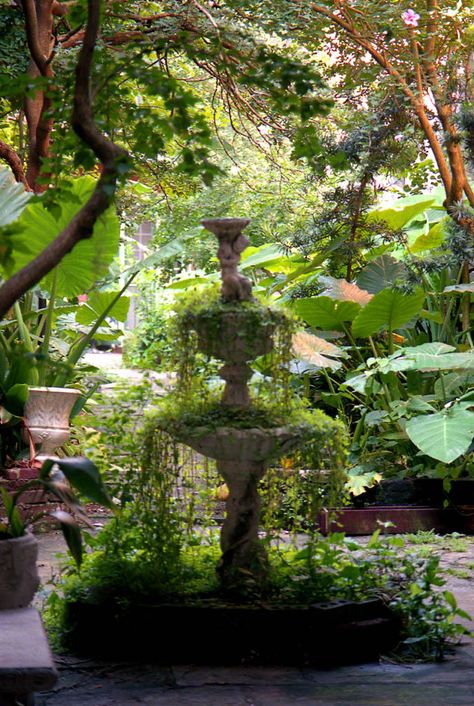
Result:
[[64, 390]]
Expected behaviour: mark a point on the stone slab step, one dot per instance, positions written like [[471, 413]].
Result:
[[26, 664]]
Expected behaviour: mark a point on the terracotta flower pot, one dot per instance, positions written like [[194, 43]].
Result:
[[18, 572]]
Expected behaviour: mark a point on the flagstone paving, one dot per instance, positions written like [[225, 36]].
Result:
[[89, 682]]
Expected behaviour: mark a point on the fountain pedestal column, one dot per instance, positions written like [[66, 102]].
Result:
[[242, 554], [236, 392], [239, 331]]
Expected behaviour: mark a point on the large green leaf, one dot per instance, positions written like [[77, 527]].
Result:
[[171, 249], [96, 305], [13, 198], [359, 382], [359, 478], [433, 238], [416, 228], [16, 526], [41, 222], [316, 259], [428, 356], [16, 398], [449, 361], [71, 533], [431, 348], [459, 288], [325, 313], [445, 435], [261, 256], [380, 273], [388, 309], [402, 211], [83, 475]]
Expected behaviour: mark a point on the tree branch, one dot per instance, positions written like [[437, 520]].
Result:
[[38, 25], [8, 154], [113, 158], [417, 103], [32, 35], [444, 110]]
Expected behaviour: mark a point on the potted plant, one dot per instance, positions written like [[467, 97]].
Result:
[[18, 547]]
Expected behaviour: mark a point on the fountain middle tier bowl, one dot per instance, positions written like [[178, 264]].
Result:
[[242, 445], [234, 336]]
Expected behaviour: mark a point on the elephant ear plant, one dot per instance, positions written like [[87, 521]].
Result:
[[59, 478]]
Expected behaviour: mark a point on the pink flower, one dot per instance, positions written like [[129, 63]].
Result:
[[410, 18]]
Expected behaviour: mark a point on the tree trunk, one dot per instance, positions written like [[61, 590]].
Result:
[[39, 24]]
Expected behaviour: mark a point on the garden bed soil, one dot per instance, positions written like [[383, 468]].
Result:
[[339, 632], [401, 519]]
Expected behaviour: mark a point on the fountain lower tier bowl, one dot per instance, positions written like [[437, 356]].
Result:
[[242, 445]]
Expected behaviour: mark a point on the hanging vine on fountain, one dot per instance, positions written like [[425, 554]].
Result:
[[243, 432]]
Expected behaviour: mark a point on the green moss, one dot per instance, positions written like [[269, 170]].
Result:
[[200, 318]]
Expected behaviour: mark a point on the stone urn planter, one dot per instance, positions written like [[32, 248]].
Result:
[[46, 418], [18, 547], [18, 573]]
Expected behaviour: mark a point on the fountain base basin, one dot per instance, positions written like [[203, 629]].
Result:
[[242, 456], [322, 634]]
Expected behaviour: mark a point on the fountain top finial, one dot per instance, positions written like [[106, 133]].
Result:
[[235, 287], [225, 227]]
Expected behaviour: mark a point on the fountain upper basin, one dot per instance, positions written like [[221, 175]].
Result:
[[242, 445]]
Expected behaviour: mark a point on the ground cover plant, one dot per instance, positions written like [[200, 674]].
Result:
[[162, 546], [145, 556]]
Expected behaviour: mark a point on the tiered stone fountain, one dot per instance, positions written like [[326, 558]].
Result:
[[242, 455], [207, 629]]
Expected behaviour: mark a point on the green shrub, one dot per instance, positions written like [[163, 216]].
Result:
[[150, 346], [125, 567]]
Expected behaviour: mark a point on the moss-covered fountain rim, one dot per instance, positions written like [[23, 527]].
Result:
[[208, 303], [202, 421]]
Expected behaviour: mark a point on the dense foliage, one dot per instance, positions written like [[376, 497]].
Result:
[[345, 131]]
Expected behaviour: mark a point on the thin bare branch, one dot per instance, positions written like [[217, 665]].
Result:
[[112, 158], [206, 13]]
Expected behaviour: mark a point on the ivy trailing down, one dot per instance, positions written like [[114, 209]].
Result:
[[194, 404]]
